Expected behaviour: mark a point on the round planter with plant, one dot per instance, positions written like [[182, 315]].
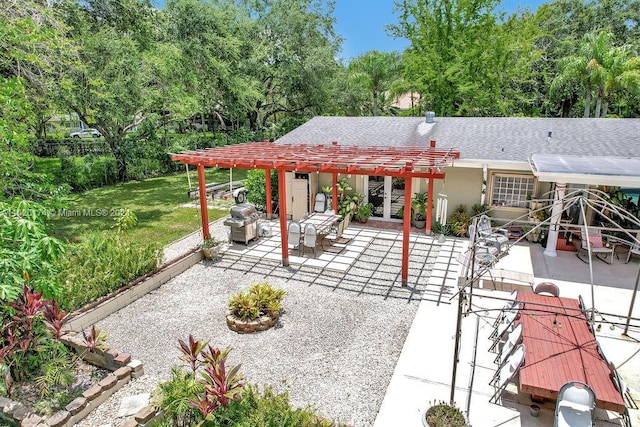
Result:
[[210, 247], [257, 309], [442, 414]]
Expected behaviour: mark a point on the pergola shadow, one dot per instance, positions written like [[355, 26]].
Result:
[[377, 271]]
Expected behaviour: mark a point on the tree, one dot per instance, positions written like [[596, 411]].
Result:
[[377, 71], [210, 37], [292, 58], [116, 83], [600, 68], [457, 59]]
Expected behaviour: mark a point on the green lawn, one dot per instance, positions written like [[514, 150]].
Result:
[[155, 201]]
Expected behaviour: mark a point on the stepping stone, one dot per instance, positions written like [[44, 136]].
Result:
[[132, 404]]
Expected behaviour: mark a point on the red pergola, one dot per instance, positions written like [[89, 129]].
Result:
[[406, 162]]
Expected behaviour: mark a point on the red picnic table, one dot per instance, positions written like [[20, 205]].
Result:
[[561, 347]]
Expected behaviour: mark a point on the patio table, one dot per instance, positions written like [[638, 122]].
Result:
[[561, 347], [322, 221]]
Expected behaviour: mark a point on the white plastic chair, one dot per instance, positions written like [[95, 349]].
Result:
[[294, 235], [575, 406], [499, 238], [504, 325], [320, 203], [507, 371], [310, 239], [512, 340]]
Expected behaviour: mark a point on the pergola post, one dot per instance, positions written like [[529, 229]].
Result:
[[334, 191], [282, 207], [406, 227], [204, 209], [267, 178], [556, 213]]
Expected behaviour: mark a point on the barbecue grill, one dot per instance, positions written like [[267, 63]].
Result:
[[243, 222]]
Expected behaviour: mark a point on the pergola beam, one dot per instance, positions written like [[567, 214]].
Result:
[[404, 162]]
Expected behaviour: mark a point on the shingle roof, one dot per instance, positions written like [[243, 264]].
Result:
[[480, 138]]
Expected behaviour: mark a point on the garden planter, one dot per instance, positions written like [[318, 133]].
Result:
[[210, 253], [418, 223], [250, 326]]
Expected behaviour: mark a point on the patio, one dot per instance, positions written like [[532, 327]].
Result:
[[354, 343]]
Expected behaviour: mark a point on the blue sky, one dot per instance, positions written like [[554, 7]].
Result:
[[361, 23]]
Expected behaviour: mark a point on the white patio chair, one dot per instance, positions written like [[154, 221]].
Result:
[[635, 248], [498, 238], [504, 326], [512, 340], [294, 235], [310, 239], [507, 371], [507, 306], [336, 234], [576, 405], [596, 244], [320, 203]]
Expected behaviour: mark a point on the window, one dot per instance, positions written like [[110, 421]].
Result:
[[511, 190]]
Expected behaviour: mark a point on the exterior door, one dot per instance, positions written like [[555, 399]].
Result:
[[297, 196], [386, 194]]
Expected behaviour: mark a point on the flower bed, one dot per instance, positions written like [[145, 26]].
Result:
[[122, 368]]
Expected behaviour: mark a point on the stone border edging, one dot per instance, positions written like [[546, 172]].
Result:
[[248, 327], [122, 368]]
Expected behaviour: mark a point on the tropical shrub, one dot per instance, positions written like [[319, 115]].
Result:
[[460, 220], [27, 254], [101, 263], [255, 186], [31, 326], [259, 300], [219, 397]]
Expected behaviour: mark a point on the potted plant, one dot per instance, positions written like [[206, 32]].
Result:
[[419, 220], [442, 414], [210, 247], [419, 208], [363, 213]]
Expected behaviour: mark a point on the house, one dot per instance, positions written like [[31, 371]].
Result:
[[497, 164]]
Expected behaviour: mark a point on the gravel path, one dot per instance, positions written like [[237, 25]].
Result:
[[334, 348]]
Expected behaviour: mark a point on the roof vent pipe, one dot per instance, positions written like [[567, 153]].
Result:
[[430, 117]]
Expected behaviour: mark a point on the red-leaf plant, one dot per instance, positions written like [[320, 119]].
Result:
[[94, 339], [221, 385], [191, 352], [21, 331]]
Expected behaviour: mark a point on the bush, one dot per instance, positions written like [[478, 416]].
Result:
[[90, 171], [261, 299], [444, 415], [101, 263], [219, 397]]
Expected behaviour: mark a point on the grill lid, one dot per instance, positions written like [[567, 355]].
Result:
[[244, 211]]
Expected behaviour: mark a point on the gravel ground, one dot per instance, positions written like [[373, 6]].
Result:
[[334, 348]]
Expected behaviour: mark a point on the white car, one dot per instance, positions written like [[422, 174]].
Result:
[[86, 133]]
